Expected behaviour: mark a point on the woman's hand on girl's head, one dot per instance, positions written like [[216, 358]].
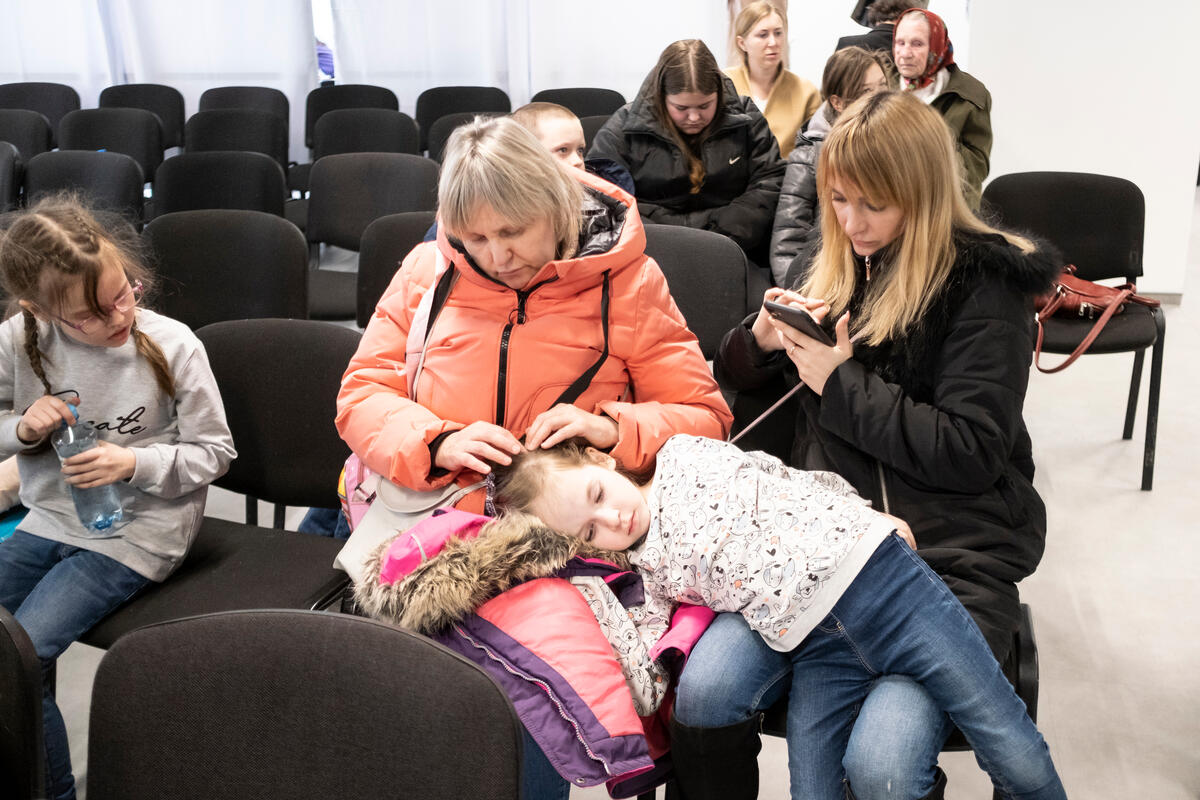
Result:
[[103, 464], [565, 421], [41, 418], [474, 446], [765, 326], [815, 361]]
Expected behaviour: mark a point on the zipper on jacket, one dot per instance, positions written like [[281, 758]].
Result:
[[887, 506], [502, 373], [867, 261]]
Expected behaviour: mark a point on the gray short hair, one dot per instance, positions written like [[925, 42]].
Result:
[[497, 162]]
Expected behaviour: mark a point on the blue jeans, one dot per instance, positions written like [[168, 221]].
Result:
[[897, 735], [539, 780], [897, 618], [57, 592]]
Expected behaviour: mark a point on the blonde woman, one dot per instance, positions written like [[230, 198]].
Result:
[[543, 318], [783, 97], [918, 405]]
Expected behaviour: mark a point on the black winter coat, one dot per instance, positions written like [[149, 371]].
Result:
[[929, 427], [743, 169]]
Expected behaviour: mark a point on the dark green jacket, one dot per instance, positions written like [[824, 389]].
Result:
[[966, 106]]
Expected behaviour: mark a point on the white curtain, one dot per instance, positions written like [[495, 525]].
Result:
[[58, 42], [520, 46], [197, 46]]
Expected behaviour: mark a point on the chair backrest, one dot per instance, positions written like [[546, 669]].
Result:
[[348, 192], [238, 129], [365, 130], [583, 101], [52, 100], [384, 244], [22, 747], [253, 98], [222, 264], [236, 179], [165, 102], [442, 100], [343, 95], [279, 380], [1097, 222], [12, 172], [707, 274], [296, 704], [111, 181], [439, 132], [591, 126], [132, 131], [27, 130]]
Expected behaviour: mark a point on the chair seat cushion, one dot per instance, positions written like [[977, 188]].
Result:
[[1132, 329], [233, 566]]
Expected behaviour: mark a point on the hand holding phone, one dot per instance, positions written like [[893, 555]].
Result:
[[799, 319]]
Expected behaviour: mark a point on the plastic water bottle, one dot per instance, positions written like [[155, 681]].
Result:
[[99, 508]]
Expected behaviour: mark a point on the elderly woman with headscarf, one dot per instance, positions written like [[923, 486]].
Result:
[[924, 56]]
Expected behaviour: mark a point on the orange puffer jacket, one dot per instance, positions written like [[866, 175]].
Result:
[[504, 356]]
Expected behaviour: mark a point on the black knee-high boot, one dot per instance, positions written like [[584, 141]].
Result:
[[717, 763]]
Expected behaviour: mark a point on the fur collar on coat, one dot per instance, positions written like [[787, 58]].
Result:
[[467, 573]]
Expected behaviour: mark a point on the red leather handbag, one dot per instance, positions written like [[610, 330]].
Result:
[[1077, 298]]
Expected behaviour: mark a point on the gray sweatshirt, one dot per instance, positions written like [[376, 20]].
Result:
[[181, 445]]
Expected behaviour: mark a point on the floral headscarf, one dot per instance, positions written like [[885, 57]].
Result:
[[941, 51]]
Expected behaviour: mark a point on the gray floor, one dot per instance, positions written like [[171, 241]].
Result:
[[1115, 600]]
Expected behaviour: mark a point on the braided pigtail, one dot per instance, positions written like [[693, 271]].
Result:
[[148, 349], [32, 351]]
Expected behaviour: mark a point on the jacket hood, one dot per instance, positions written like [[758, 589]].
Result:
[[610, 239], [641, 117], [467, 573], [1033, 273]]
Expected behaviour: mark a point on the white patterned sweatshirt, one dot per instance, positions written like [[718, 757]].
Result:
[[741, 531]]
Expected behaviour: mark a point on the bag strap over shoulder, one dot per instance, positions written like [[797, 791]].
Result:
[[428, 309]]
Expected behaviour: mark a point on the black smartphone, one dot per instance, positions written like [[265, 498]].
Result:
[[799, 319]]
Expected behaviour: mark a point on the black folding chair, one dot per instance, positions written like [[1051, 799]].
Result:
[[233, 179], [708, 277], [223, 264], [583, 101], [279, 380], [52, 100], [384, 244], [435, 103], [1097, 222], [358, 130], [165, 102], [132, 131], [27, 130], [279, 704], [22, 745], [343, 95], [238, 129], [110, 181], [12, 172], [347, 193]]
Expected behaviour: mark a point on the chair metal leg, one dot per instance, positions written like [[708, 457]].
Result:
[[1135, 384], [1156, 359], [251, 510], [280, 511]]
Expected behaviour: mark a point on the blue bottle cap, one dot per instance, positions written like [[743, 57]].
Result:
[[74, 411]]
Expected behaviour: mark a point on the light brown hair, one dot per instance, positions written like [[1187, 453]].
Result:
[[750, 15], [48, 249], [898, 152], [530, 115], [687, 66], [844, 74], [498, 163]]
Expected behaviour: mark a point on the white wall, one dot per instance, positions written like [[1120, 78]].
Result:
[[1103, 91]]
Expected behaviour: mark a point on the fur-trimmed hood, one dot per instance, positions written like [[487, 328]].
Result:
[[467, 573]]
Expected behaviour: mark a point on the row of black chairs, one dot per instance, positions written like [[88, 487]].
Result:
[[55, 102]]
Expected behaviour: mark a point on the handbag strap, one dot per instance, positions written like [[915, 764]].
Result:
[[572, 392], [1052, 306]]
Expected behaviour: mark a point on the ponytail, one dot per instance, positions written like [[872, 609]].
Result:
[[32, 351], [148, 349]]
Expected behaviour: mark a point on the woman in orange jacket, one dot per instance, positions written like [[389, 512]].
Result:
[[536, 313]]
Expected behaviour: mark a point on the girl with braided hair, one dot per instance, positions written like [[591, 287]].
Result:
[[79, 337]]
